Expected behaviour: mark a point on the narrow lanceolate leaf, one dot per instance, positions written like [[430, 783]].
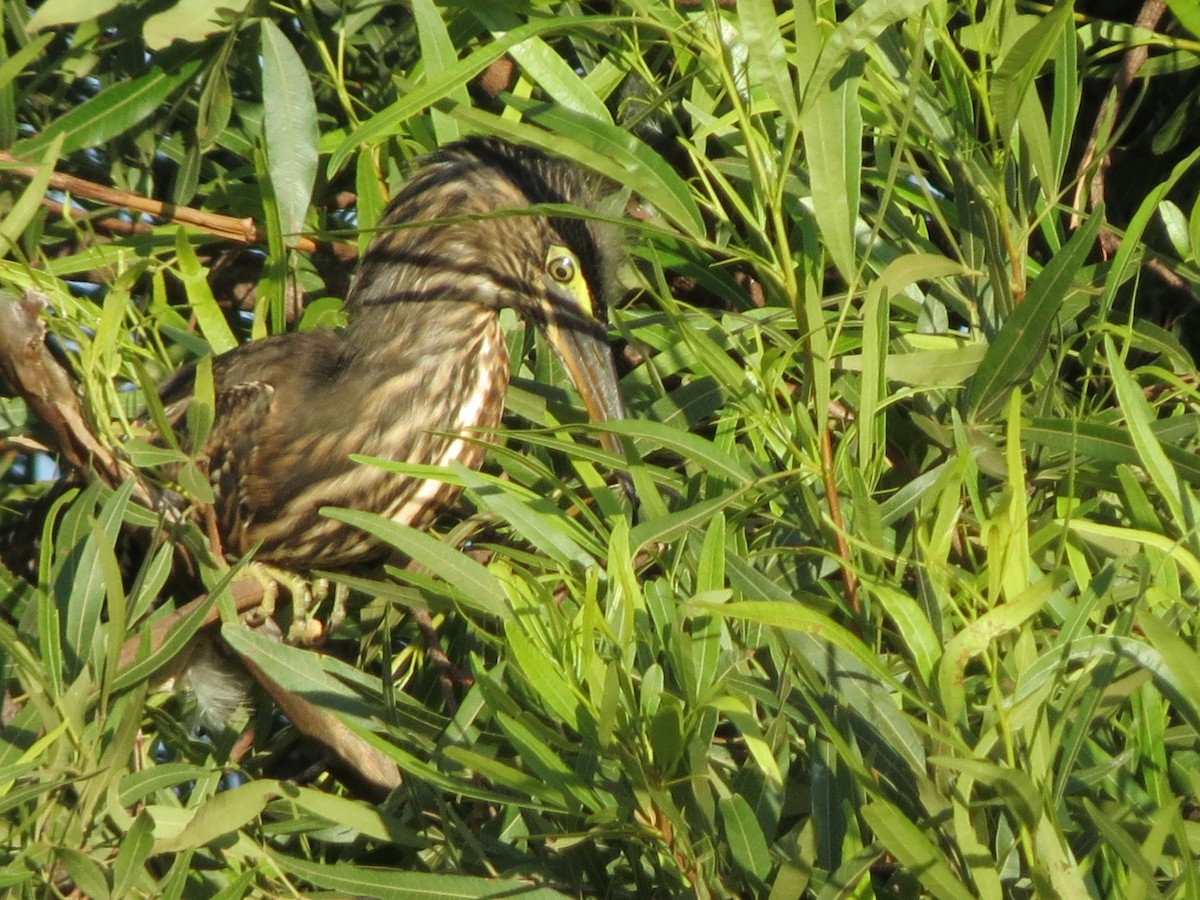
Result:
[[135, 848], [543, 675], [389, 120], [833, 146], [699, 451], [609, 150], [111, 112], [1188, 14], [1091, 441], [289, 126], [387, 883], [438, 55], [542, 64], [1150, 452], [795, 616], [306, 694], [68, 12], [476, 586], [549, 533], [189, 20], [1127, 539], [29, 203], [768, 58], [744, 836], [1179, 675], [15, 64], [915, 851], [1021, 341], [857, 33], [200, 297], [925, 368], [1021, 64], [977, 636], [221, 815]]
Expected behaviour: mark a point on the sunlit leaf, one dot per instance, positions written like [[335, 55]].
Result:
[[289, 127]]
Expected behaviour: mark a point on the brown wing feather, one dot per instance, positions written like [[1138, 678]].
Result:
[[263, 411], [232, 449]]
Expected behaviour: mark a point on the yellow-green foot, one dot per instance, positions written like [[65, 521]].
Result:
[[304, 628]]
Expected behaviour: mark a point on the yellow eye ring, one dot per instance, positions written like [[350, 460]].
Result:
[[561, 269]]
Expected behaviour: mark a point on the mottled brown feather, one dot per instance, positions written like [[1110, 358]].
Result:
[[421, 365]]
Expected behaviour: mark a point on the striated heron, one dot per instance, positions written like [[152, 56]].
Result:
[[421, 366]]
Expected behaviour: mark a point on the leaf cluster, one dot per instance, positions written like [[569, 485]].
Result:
[[908, 606]]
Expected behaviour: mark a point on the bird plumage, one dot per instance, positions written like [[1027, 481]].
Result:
[[420, 369]]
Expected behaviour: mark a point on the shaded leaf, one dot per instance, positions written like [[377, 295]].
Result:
[[111, 112], [745, 837], [1021, 341]]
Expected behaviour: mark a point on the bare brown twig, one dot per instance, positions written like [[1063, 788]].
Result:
[[1148, 18], [243, 230], [110, 224]]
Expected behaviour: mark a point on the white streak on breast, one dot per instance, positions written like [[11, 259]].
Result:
[[470, 416]]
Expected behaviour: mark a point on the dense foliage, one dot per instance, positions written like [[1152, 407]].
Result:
[[909, 604]]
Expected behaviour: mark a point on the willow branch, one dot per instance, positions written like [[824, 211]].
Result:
[[1148, 18], [243, 230]]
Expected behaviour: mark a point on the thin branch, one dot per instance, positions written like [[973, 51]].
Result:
[[247, 593], [243, 230], [110, 224], [1148, 18]]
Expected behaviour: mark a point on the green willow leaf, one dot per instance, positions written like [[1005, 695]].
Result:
[[610, 150], [978, 635], [389, 120], [744, 836], [15, 64], [30, 203], [204, 305], [190, 21], [705, 454], [222, 814], [543, 676], [858, 33], [68, 12], [550, 532], [1179, 673], [1021, 64], [768, 60], [111, 112], [473, 584], [386, 883], [543, 65], [1021, 341], [832, 124], [1188, 14], [915, 851], [438, 55], [1151, 454], [1089, 441], [289, 127], [132, 855]]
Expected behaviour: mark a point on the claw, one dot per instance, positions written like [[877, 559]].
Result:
[[304, 629]]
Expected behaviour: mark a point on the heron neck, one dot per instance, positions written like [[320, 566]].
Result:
[[431, 364], [404, 332]]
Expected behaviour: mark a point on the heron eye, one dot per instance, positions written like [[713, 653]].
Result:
[[561, 268]]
